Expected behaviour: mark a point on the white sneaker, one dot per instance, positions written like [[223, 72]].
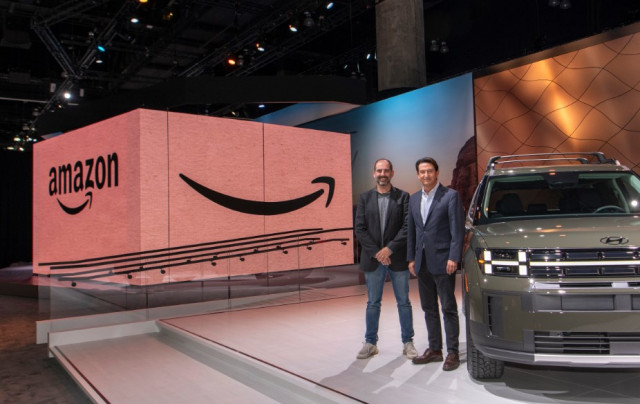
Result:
[[367, 351], [409, 350]]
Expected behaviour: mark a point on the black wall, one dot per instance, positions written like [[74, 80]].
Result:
[[15, 207]]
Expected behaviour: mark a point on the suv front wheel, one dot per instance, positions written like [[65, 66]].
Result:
[[479, 366]]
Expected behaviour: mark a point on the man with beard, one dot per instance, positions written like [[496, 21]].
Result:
[[381, 229]]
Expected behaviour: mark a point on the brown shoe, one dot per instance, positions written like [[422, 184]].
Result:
[[452, 362], [428, 356]]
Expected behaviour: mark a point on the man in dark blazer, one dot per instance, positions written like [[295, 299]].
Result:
[[435, 236], [381, 229]]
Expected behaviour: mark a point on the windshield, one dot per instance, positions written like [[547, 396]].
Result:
[[560, 194]]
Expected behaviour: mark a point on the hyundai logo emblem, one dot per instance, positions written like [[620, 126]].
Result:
[[614, 240]]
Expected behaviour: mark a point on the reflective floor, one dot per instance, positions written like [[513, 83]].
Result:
[[316, 341], [319, 341]]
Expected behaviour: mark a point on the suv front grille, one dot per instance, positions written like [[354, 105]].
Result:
[[540, 263], [580, 263], [586, 343]]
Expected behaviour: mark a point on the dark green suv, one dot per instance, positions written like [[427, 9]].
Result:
[[552, 272]]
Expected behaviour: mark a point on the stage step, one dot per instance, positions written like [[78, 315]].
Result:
[[156, 362]]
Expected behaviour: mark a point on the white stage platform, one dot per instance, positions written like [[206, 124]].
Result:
[[302, 352]]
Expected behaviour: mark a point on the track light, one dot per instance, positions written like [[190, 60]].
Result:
[[434, 47], [260, 46], [293, 27], [444, 48]]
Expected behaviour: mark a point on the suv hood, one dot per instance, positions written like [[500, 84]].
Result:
[[562, 232]]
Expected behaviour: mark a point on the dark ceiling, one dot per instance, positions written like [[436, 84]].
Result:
[[49, 47]]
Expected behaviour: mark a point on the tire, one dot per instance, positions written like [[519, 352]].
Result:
[[479, 366]]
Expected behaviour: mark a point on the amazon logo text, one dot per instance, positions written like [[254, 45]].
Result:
[[83, 176]]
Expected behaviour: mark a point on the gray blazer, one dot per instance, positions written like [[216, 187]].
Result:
[[442, 237], [367, 228]]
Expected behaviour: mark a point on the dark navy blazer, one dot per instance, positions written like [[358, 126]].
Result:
[[442, 237]]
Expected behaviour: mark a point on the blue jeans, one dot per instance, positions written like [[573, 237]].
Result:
[[375, 285]]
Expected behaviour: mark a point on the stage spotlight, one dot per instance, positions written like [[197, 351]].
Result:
[[260, 46], [231, 60], [553, 3], [434, 47], [444, 48], [240, 60], [67, 95], [329, 5], [134, 20], [101, 48], [293, 27], [99, 60]]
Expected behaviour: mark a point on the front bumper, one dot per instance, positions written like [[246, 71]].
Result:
[[552, 322]]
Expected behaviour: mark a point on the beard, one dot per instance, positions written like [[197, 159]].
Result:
[[382, 180]]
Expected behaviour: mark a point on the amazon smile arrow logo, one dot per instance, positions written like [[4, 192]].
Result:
[[74, 211], [261, 207]]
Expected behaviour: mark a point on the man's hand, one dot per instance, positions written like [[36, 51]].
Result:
[[452, 266], [412, 268], [383, 256]]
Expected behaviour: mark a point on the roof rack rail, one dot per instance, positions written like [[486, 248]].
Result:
[[540, 157]]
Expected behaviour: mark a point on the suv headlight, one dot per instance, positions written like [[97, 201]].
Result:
[[503, 262]]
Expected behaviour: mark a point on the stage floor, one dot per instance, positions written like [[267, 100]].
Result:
[[318, 341]]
